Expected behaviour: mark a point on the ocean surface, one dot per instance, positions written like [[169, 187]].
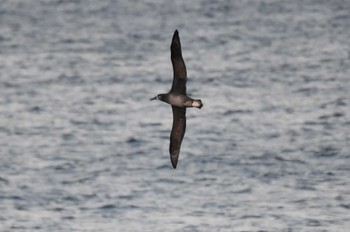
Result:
[[83, 149]]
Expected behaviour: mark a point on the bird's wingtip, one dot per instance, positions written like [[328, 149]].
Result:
[[174, 160], [174, 165], [176, 34]]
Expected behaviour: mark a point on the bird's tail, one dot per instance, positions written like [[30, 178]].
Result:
[[197, 103]]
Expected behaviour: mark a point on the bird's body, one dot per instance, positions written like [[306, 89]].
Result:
[[178, 99]]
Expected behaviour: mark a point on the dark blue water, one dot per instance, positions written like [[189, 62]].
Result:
[[83, 149]]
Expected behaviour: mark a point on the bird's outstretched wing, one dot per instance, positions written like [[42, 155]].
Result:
[[179, 67], [177, 133]]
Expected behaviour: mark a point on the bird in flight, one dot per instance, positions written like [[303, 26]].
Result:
[[178, 99]]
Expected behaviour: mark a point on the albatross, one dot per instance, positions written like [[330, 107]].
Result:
[[178, 99]]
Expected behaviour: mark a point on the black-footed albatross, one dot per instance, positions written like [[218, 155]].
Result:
[[178, 99]]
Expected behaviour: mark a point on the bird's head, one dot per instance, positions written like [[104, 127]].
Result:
[[158, 97]]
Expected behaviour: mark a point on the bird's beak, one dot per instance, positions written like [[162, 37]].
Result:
[[153, 98]]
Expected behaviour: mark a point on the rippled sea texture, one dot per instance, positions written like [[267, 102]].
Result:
[[83, 149]]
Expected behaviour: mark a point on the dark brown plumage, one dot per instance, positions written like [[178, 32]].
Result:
[[177, 133], [178, 87], [179, 67], [178, 99]]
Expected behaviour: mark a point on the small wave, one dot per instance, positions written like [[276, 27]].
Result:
[[231, 112], [108, 207], [35, 109], [328, 151]]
